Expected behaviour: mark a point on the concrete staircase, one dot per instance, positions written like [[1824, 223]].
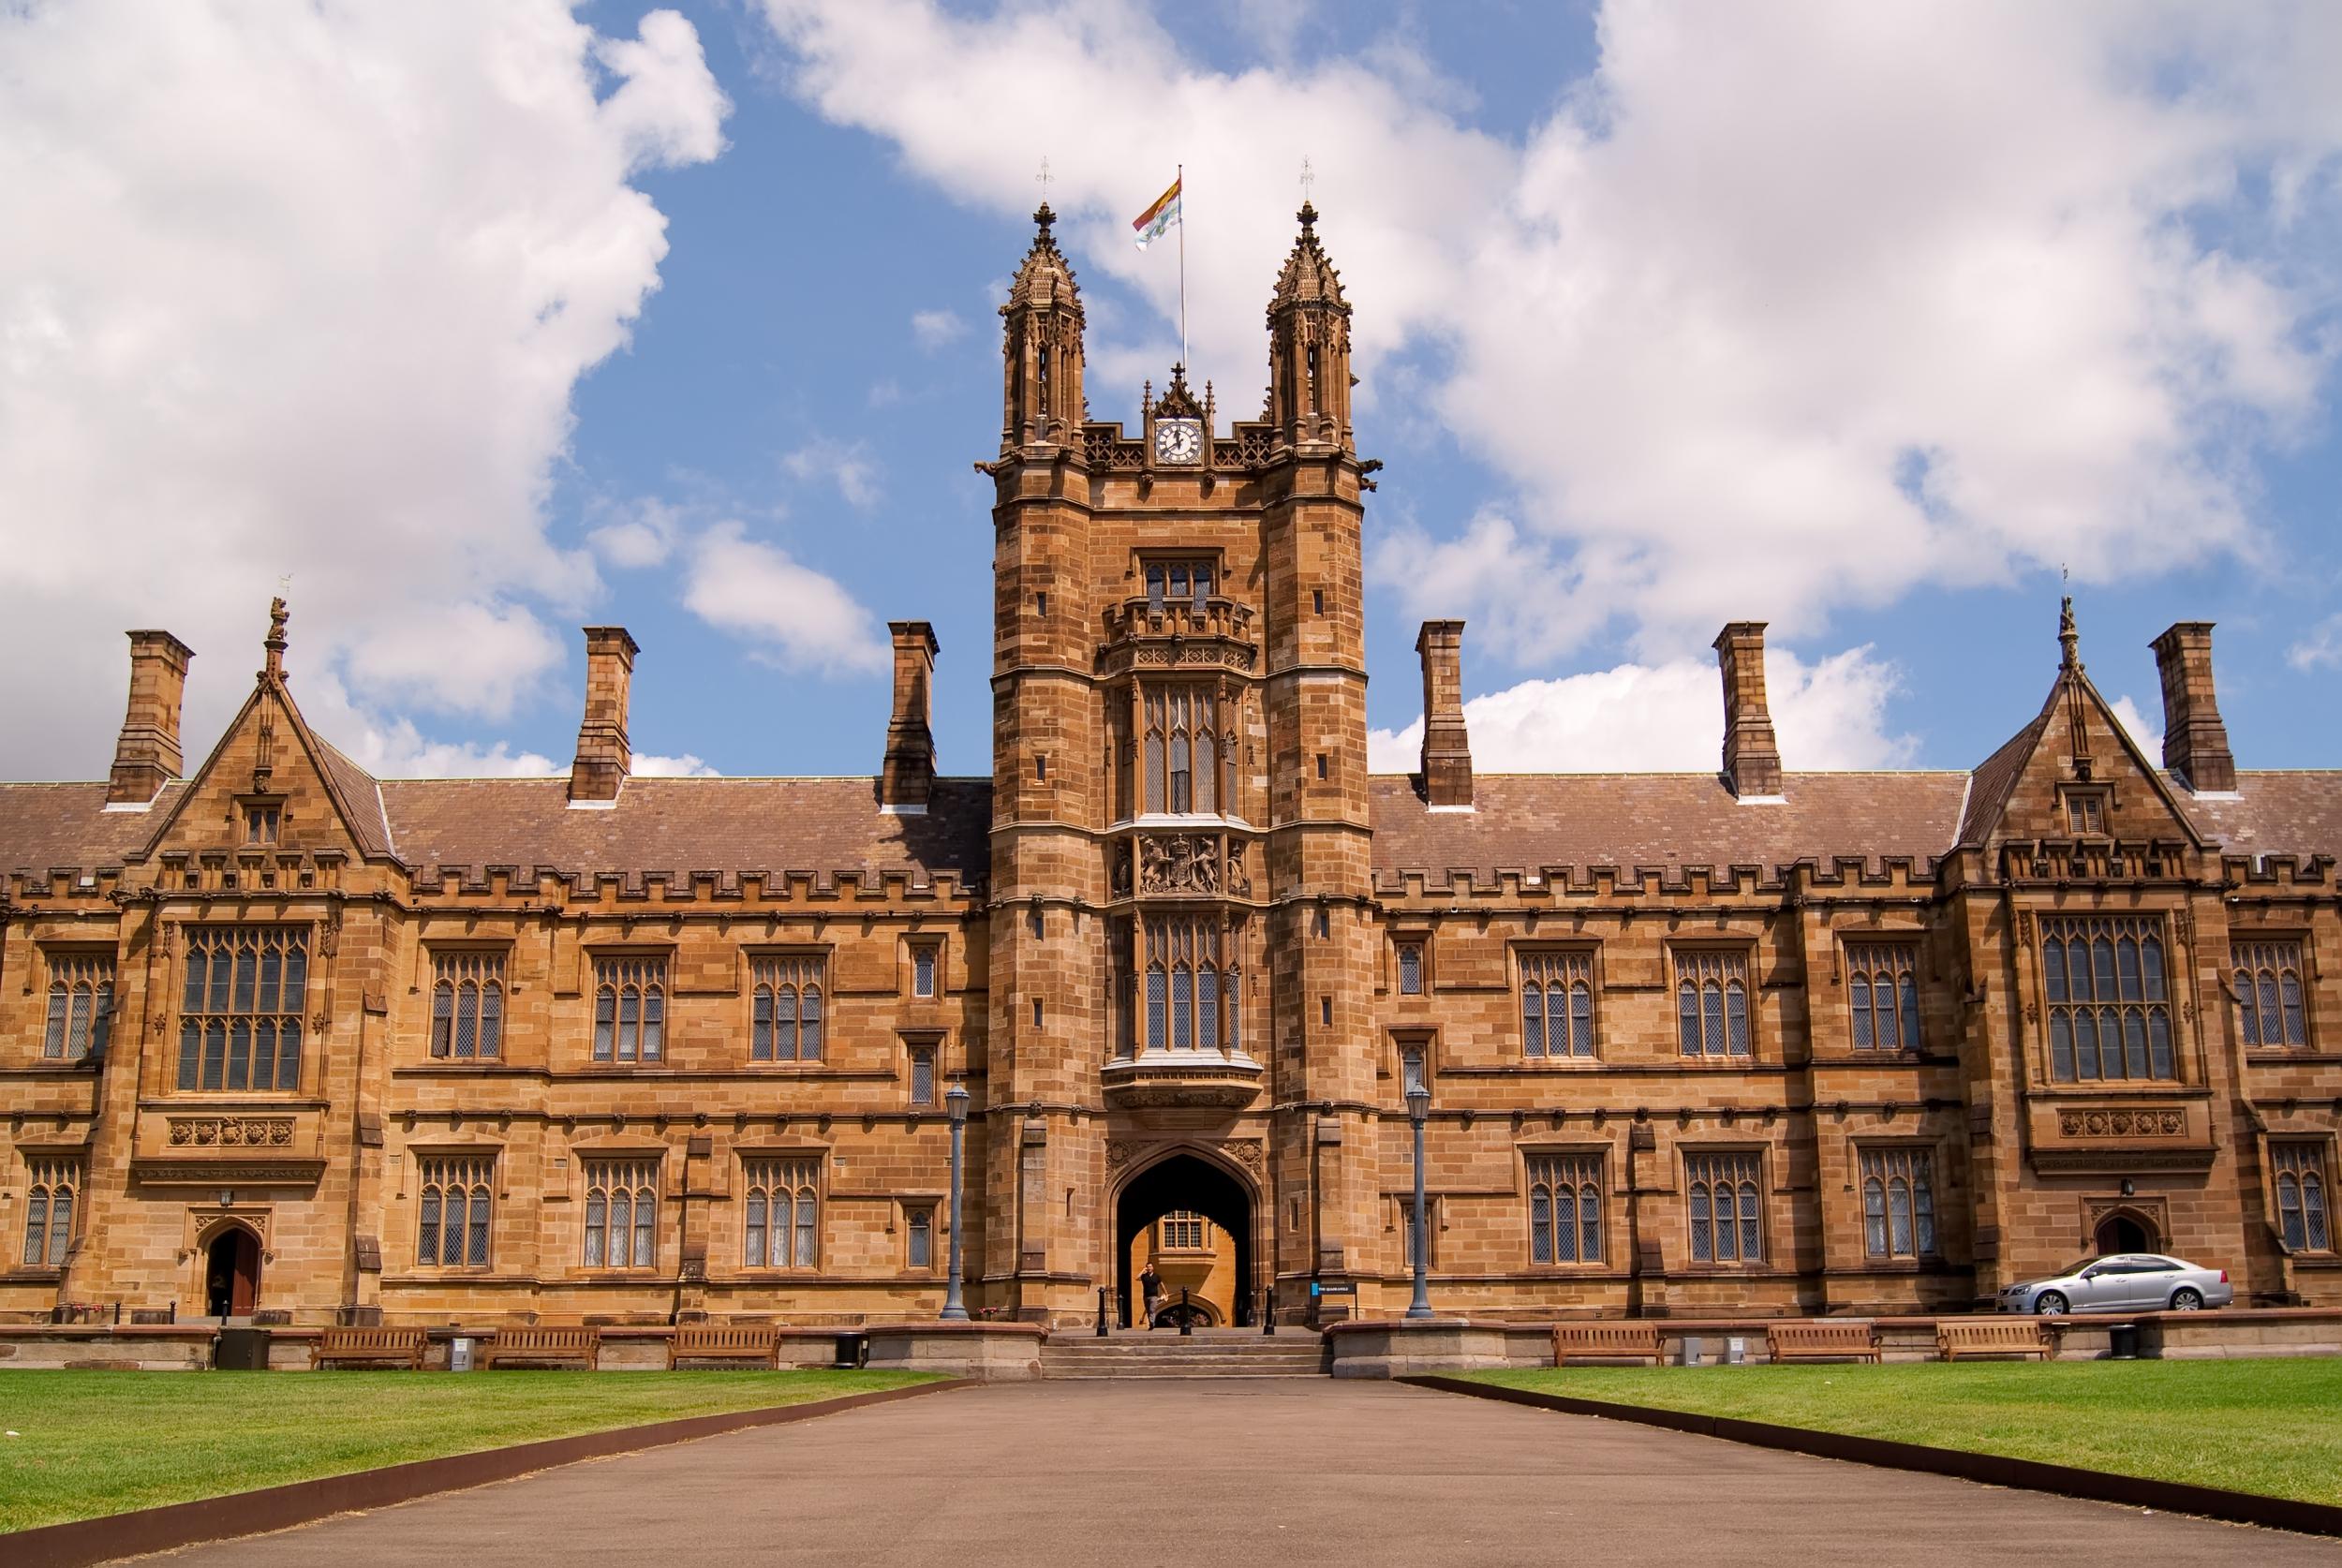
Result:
[[1226, 1353]]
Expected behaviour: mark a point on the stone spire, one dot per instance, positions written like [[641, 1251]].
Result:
[[1309, 346], [1041, 383]]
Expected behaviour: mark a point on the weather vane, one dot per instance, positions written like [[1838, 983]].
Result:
[[1044, 178], [1309, 178]]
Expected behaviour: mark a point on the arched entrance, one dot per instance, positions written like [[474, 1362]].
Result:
[[2124, 1232], [232, 1273], [1183, 1186]]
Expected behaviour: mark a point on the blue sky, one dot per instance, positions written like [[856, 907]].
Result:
[[485, 329]]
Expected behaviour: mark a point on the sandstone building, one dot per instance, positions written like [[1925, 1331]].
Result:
[[278, 1035]]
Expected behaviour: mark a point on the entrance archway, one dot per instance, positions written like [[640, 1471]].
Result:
[[232, 1273], [1184, 1184], [2124, 1232]]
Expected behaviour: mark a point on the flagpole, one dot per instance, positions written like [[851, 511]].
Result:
[[1181, 182]]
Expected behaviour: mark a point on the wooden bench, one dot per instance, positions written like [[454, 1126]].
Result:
[[1823, 1341], [759, 1342], [1992, 1337], [371, 1347], [1622, 1341], [543, 1347]]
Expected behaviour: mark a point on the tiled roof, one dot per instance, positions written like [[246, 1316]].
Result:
[[46, 827], [1997, 775], [2275, 813], [361, 797], [682, 825], [1532, 821]]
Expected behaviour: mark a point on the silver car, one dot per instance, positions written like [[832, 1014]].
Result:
[[2128, 1282]]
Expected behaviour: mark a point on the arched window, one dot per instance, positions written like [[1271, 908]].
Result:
[[49, 1204], [453, 1229], [1193, 983], [467, 1006], [920, 1250], [1566, 1209], [622, 1213], [1883, 993], [1410, 969], [783, 1214], [244, 1008], [1557, 1004], [2269, 992], [2109, 1017], [630, 1008], [1184, 747], [80, 1004], [1711, 1003], [2301, 1183], [1899, 1202], [1725, 1220], [786, 1020]]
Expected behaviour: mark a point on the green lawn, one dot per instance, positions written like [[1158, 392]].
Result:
[[2271, 1427], [79, 1444]]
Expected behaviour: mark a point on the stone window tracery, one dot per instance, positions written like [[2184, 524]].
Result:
[[630, 1008], [1566, 1209], [2110, 1017], [1194, 980], [1556, 1005], [1898, 1203], [2269, 992], [783, 1214], [2301, 1183], [1726, 1213], [622, 1213], [1187, 750], [452, 1229], [50, 1201], [80, 1004], [241, 1012], [467, 1006], [1711, 1003], [1882, 995], [786, 1011]]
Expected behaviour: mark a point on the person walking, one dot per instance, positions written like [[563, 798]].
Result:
[[1150, 1291]]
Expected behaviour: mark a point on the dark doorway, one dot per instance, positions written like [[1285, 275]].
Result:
[[1184, 1183], [2120, 1232], [232, 1273]]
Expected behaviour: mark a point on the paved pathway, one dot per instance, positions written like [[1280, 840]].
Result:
[[1240, 1474]]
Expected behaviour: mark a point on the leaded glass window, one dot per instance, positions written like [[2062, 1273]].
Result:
[[452, 1227], [1188, 747], [1566, 1209], [1898, 1203], [1883, 993], [2109, 1014], [622, 1213], [1556, 1005], [923, 1074], [920, 1244], [2300, 1182], [785, 1018], [630, 1008], [1727, 1216], [241, 1015], [1711, 1003], [1193, 983], [2269, 994], [80, 1004], [1177, 582], [467, 1006], [50, 1200], [1410, 969], [1181, 1231], [784, 1213], [923, 960]]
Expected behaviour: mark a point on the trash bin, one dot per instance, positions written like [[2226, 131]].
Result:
[[241, 1350], [459, 1353], [2121, 1341]]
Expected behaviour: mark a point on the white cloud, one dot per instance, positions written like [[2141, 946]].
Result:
[[2146, 736], [295, 289], [753, 589], [641, 533], [2321, 648], [649, 766], [846, 464], [1669, 718], [1784, 310], [936, 328]]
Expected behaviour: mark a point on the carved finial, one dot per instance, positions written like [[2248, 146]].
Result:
[[2068, 636], [1044, 217], [273, 644], [1308, 214]]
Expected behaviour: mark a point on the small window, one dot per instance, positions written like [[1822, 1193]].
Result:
[[452, 1229], [81, 1005], [1032, 922], [622, 1213], [1036, 1013], [1317, 601], [1040, 768], [49, 1211], [2300, 1182], [1320, 764], [923, 969], [1898, 1203], [1410, 969], [260, 823], [923, 1076], [782, 1213], [1319, 925], [1325, 1011], [919, 1246], [1883, 996], [630, 1008], [1183, 1231], [1041, 604], [1726, 1216], [467, 1006], [2085, 812]]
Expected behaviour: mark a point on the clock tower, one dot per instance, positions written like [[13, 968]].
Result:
[[1181, 946]]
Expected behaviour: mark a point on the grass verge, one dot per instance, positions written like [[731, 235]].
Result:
[[2267, 1427], [82, 1444]]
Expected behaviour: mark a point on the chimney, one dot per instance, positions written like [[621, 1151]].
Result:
[[1446, 743], [603, 756], [2195, 741], [147, 755], [909, 774], [1752, 759]]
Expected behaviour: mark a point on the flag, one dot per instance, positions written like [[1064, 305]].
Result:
[[1156, 221]]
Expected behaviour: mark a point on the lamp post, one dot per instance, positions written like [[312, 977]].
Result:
[[1419, 1107], [955, 1103]]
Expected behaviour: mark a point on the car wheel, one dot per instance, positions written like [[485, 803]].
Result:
[[2186, 1299], [2049, 1303]]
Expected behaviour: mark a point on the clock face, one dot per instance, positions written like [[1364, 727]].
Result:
[[1178, 440]]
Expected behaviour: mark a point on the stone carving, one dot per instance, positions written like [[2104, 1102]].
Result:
[[2147, 1121], [1119, 1152], [231, 1132], [1193, 863], [1248, 1156]]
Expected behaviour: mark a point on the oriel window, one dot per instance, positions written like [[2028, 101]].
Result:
[[241, 1014], [2110, 1017], [1182, 750]]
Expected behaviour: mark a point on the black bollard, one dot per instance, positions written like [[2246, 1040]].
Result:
[[1102, 1311], [1187, 1318], [1269, 1310]]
